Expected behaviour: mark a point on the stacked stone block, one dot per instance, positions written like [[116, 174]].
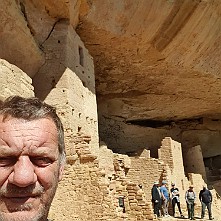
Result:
[[68, 83], [171, 154], [105, 158], [194, 161], [13, 81], [145, 171], [140, 209]]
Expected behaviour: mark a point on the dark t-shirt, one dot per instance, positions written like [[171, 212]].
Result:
[[174, 190], [205, 196]]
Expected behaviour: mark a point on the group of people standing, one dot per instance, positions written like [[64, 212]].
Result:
[[161, 197]]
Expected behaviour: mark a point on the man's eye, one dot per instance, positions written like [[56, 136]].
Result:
[[7, 161], [41, 161]]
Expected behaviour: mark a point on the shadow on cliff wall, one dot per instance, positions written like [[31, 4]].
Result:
[[63, 49]]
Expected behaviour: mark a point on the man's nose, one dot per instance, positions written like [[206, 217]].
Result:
[[23, 174]]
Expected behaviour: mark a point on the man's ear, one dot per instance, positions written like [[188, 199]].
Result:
[[61, 172]]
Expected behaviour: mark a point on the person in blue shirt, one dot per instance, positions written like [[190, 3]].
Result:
[[165, 198]]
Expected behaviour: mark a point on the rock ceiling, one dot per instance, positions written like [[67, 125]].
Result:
[[153, 59]]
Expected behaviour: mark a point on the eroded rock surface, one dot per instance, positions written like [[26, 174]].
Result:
[[157, 67]]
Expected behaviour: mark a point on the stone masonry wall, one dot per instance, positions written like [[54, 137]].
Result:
[[67, 81], [145, 171], [165, 152], [85, 197], [13, 81], [93, 195], [194, 161], [106, 160], [136, 206], [171, 152]]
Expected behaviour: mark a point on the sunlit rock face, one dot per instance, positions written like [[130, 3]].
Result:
[[17, 43], [26, 25], [157, 71]]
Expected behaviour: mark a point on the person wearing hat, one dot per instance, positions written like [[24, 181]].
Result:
[[156, 198], [175, 199], [165, 198], [190, 197]]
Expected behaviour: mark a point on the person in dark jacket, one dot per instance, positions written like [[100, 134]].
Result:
[[205, 198], [156, 198]]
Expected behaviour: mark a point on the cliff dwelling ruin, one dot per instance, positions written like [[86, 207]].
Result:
[[137, 86]]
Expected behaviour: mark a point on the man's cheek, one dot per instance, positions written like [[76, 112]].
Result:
[[47, 179], [3, 177]]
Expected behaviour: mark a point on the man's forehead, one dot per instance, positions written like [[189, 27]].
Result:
[[29, 133], [21, 126], [40, 122], [32, 150]]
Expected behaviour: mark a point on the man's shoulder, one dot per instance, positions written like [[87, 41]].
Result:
[[208, 191], [154, 188], [163, 188]]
